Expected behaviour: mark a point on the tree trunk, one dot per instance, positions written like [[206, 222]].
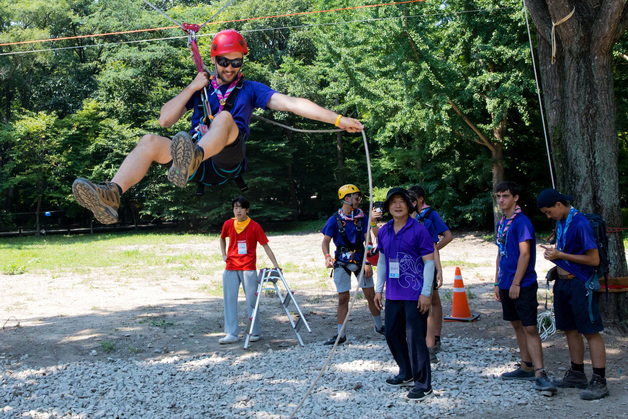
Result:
[[580, 107]]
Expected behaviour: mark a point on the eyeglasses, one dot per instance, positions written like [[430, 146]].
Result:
[[358, 196], [225, 62]]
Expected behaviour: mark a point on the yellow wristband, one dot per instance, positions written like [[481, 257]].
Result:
[[337, 120]]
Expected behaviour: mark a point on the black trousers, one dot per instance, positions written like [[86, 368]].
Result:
[[406, 328]]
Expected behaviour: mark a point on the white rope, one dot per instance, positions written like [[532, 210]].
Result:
[[538, 92], [355, 292]]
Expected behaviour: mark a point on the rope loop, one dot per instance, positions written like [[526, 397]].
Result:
[[554, 24]]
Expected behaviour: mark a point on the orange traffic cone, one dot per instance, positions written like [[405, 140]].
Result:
[[460, 307]]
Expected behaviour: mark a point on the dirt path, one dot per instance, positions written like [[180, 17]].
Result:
[[49, 319]]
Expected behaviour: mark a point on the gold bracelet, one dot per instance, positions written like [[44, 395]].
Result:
[[337, 120]]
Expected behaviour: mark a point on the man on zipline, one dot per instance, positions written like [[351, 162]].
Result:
[[221, 124]]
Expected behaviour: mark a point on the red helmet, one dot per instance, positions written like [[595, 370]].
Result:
[[227, 41]]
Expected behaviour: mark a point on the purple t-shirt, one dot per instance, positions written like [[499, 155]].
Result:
[[519, 231], [253, 95], [408, 246], [578, 239]]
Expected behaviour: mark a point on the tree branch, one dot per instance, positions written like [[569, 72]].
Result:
[[605, 26], [483, 140]]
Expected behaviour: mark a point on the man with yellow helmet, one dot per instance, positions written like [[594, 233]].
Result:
[[347, 228]]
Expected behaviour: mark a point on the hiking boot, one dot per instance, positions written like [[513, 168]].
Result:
[[331, 341], [572, 379], [103, 200], [433, 357], [186, 158], [399, 382], [381, 330], [544, 385], [419, 395], [518, 374], [228, 339], [596, 389]]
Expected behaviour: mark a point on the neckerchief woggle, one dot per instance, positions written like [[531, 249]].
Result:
[[502, 231], [355, 214]]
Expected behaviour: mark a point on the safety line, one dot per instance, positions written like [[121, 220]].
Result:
[[163, 13], [307, 131], [538, 93], [355, 292], [214, 23], [344, 22]]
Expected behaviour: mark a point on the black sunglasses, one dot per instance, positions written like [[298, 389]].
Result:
[[224, 62]]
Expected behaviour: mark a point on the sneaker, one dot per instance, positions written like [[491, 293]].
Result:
[[433, 357], [381, 330], [103, 199], [331, 341], [437, 347], [572, 379], [518, 374], [419, 395], [398, 381], [186, 158], [596, 389], [544, 385], [254, 338], [228, 339]]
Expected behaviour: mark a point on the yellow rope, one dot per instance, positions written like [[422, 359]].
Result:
[[554, 24]]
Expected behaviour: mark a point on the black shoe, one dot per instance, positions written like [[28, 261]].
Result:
[[572, 379], [331, 341], [381, 330], [596, 389], [398, 381], [433, 357], [419, 395]]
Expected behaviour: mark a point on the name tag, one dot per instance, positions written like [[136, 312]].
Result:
[[242, 247], [393, 268]]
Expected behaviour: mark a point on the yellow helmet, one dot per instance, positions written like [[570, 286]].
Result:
[[347, 189]]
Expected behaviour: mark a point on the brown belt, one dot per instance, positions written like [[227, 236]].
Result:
[[566, 276]]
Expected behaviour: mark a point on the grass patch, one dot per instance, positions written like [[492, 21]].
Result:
[[107, 346], [461, 263], [13, 269]]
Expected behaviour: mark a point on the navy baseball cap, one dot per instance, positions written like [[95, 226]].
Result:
[[402, 193], [549, 197]]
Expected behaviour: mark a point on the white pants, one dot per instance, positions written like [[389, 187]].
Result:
[[230, 287]]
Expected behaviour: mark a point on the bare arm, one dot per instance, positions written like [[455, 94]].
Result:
[[591, 256], [308, 109], [223, 248], [496, 288], [329, 261], [447, 237], [439, 267], [271, 255], [174, 109]]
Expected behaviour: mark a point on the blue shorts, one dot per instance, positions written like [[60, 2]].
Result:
[[523, 308], [571, 307]]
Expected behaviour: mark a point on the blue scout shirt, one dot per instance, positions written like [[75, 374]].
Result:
[[331, 229], [438, 224], [407, 246], [519, 231], [253, 95], [430, 227], [578, 239]]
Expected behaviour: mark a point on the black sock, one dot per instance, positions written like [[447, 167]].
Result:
[[119, 188], [577, 367], [600, 371], [437, 339]]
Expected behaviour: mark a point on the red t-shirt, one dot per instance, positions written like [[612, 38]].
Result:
[[241, 250]]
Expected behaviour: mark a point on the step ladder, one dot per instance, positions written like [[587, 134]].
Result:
[[266, 278]]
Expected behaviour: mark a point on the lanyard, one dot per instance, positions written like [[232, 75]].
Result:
[[222, 99], [502, 230], [562, 227]]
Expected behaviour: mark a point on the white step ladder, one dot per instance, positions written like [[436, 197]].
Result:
[[269, 276]]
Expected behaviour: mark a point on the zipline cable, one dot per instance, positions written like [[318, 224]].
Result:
[[355, 292], [538, 92], [166, 14]]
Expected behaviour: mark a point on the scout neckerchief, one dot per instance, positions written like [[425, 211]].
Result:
[[240, 225], [562, 227], [222, 99], [355, 214], [502, 231]]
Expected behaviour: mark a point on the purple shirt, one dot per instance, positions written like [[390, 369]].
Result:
[[253, 95], [408, 246], [578, 239], [520, 230]]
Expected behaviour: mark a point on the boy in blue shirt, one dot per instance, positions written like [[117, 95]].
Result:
[[348, 228], [576, 256], [221, 128], [516, 285], [407, 258]]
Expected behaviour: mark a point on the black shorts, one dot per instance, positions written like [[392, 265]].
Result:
[[523, 308], [227, 164], [571, 307]]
